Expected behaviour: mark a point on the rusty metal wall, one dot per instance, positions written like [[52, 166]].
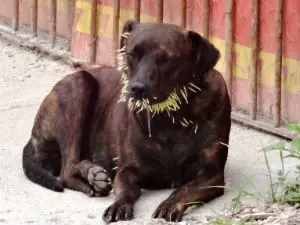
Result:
[[259, 41], [55, 17]]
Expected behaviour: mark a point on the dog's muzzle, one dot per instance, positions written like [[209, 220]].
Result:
[[138, 90]]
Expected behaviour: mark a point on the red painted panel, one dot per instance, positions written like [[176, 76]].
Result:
[[242, 33], [290, 102], [6, 11]]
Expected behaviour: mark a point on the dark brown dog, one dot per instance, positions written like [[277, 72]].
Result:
[[163, 122]]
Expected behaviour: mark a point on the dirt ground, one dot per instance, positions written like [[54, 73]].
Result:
[[25, 78]]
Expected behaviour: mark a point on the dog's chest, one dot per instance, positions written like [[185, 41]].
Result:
[[173, 145], [176, 144], [170, 156]]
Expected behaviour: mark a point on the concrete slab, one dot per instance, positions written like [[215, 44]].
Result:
[[25, 79]]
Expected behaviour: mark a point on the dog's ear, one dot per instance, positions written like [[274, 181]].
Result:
[[128, 27], [204, 52]]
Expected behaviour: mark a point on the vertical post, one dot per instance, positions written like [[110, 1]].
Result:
[[228, 47], [206, 10], [16, 15], [278, 64], [34, 17], [93, 33], [183, 14], [53, 7], [71, 11], [160, 11], [137, 10], [254, 59], [116, 18]]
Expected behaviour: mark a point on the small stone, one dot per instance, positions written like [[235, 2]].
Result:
[[247, 210], [255, 210], [91, 216], [56, 57], [59, 211]]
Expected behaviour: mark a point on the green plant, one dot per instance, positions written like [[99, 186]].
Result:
[[294, 150], [283, 191], [280, 190], [226, 221], [237, 201]]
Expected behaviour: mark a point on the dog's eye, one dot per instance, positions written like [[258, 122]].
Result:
[[135, 53]]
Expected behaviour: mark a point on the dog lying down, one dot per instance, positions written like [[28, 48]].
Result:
[[162, 120]]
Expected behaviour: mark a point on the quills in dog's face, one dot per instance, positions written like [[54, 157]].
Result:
[[171, 104]]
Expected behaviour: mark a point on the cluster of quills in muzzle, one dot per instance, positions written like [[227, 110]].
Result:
[[173, 103]]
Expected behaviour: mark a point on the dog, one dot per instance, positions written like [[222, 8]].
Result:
[[162, 119]]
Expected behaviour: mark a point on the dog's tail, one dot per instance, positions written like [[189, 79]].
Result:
[[36, 173]]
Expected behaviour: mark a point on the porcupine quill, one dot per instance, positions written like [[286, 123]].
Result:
[[149, 121]]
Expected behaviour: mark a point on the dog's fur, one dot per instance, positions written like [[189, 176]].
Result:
[[84, 135]]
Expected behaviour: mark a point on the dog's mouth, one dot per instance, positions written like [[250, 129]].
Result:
[[155, 104], [150, 100]]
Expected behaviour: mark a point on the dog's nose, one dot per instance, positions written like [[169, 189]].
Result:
[[138, 90]]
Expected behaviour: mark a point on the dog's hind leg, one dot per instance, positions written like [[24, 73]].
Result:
[[77, 95]]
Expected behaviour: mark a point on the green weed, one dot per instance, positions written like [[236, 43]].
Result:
[[289, 192]]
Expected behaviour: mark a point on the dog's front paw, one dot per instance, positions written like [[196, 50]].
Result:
[[169, 211], [99, 180], [118, 211]]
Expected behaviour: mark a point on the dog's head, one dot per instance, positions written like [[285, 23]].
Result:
[[159, 62]]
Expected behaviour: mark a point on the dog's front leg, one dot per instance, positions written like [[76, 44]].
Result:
[[127, 192], [200, 190]]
